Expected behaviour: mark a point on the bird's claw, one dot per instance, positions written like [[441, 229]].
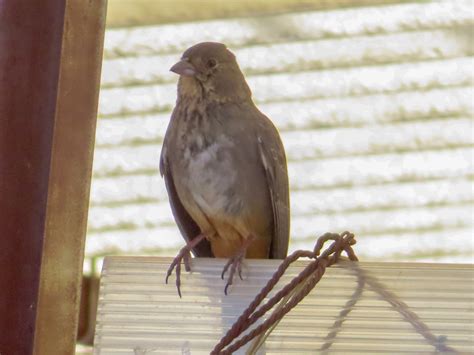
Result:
[[185, 255], [235, 264]]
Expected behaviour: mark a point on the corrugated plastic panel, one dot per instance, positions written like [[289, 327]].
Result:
[[140, 314]]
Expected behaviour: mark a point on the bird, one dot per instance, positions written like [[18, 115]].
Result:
[[224, 166]]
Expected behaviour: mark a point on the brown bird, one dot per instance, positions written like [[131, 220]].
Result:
[[224, 165]]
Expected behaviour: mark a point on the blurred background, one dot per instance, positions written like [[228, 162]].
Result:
[[373, 100]]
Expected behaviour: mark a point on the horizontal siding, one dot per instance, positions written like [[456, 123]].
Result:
[[145, 191], [127, 13], [289, 27], [322, 113], [317, 143], [404, 244], [431, 196], [280, 87], [305, 55], [374, 106], [379, 168]]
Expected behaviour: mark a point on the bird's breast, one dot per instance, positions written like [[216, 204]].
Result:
[[211, 175]]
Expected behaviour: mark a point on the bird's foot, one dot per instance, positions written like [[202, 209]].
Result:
[[183, 255], [235, 264]]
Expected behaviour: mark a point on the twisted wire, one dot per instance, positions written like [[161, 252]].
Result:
[[301, 285]]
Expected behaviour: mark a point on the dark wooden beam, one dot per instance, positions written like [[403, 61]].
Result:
[[50, 59]]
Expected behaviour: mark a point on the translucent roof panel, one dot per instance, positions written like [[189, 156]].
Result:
[[139, 314]]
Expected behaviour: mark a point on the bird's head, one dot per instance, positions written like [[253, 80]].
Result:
[[208, 70]]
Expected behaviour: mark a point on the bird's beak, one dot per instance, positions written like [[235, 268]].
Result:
[[184, 68]]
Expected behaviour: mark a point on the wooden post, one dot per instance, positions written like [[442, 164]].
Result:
[[50, 59]]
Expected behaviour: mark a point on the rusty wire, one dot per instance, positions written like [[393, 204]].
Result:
[[303, 283], [311, 275]]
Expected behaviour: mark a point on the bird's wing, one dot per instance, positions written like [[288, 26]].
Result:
[[272, 155], [188, 228]]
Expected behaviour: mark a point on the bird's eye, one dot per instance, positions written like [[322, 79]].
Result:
[[211, 63]]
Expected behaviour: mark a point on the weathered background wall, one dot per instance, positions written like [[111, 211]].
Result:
[[374, 104]]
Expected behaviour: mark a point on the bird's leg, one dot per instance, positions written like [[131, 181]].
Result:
[[185, 255], [235, 263]]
